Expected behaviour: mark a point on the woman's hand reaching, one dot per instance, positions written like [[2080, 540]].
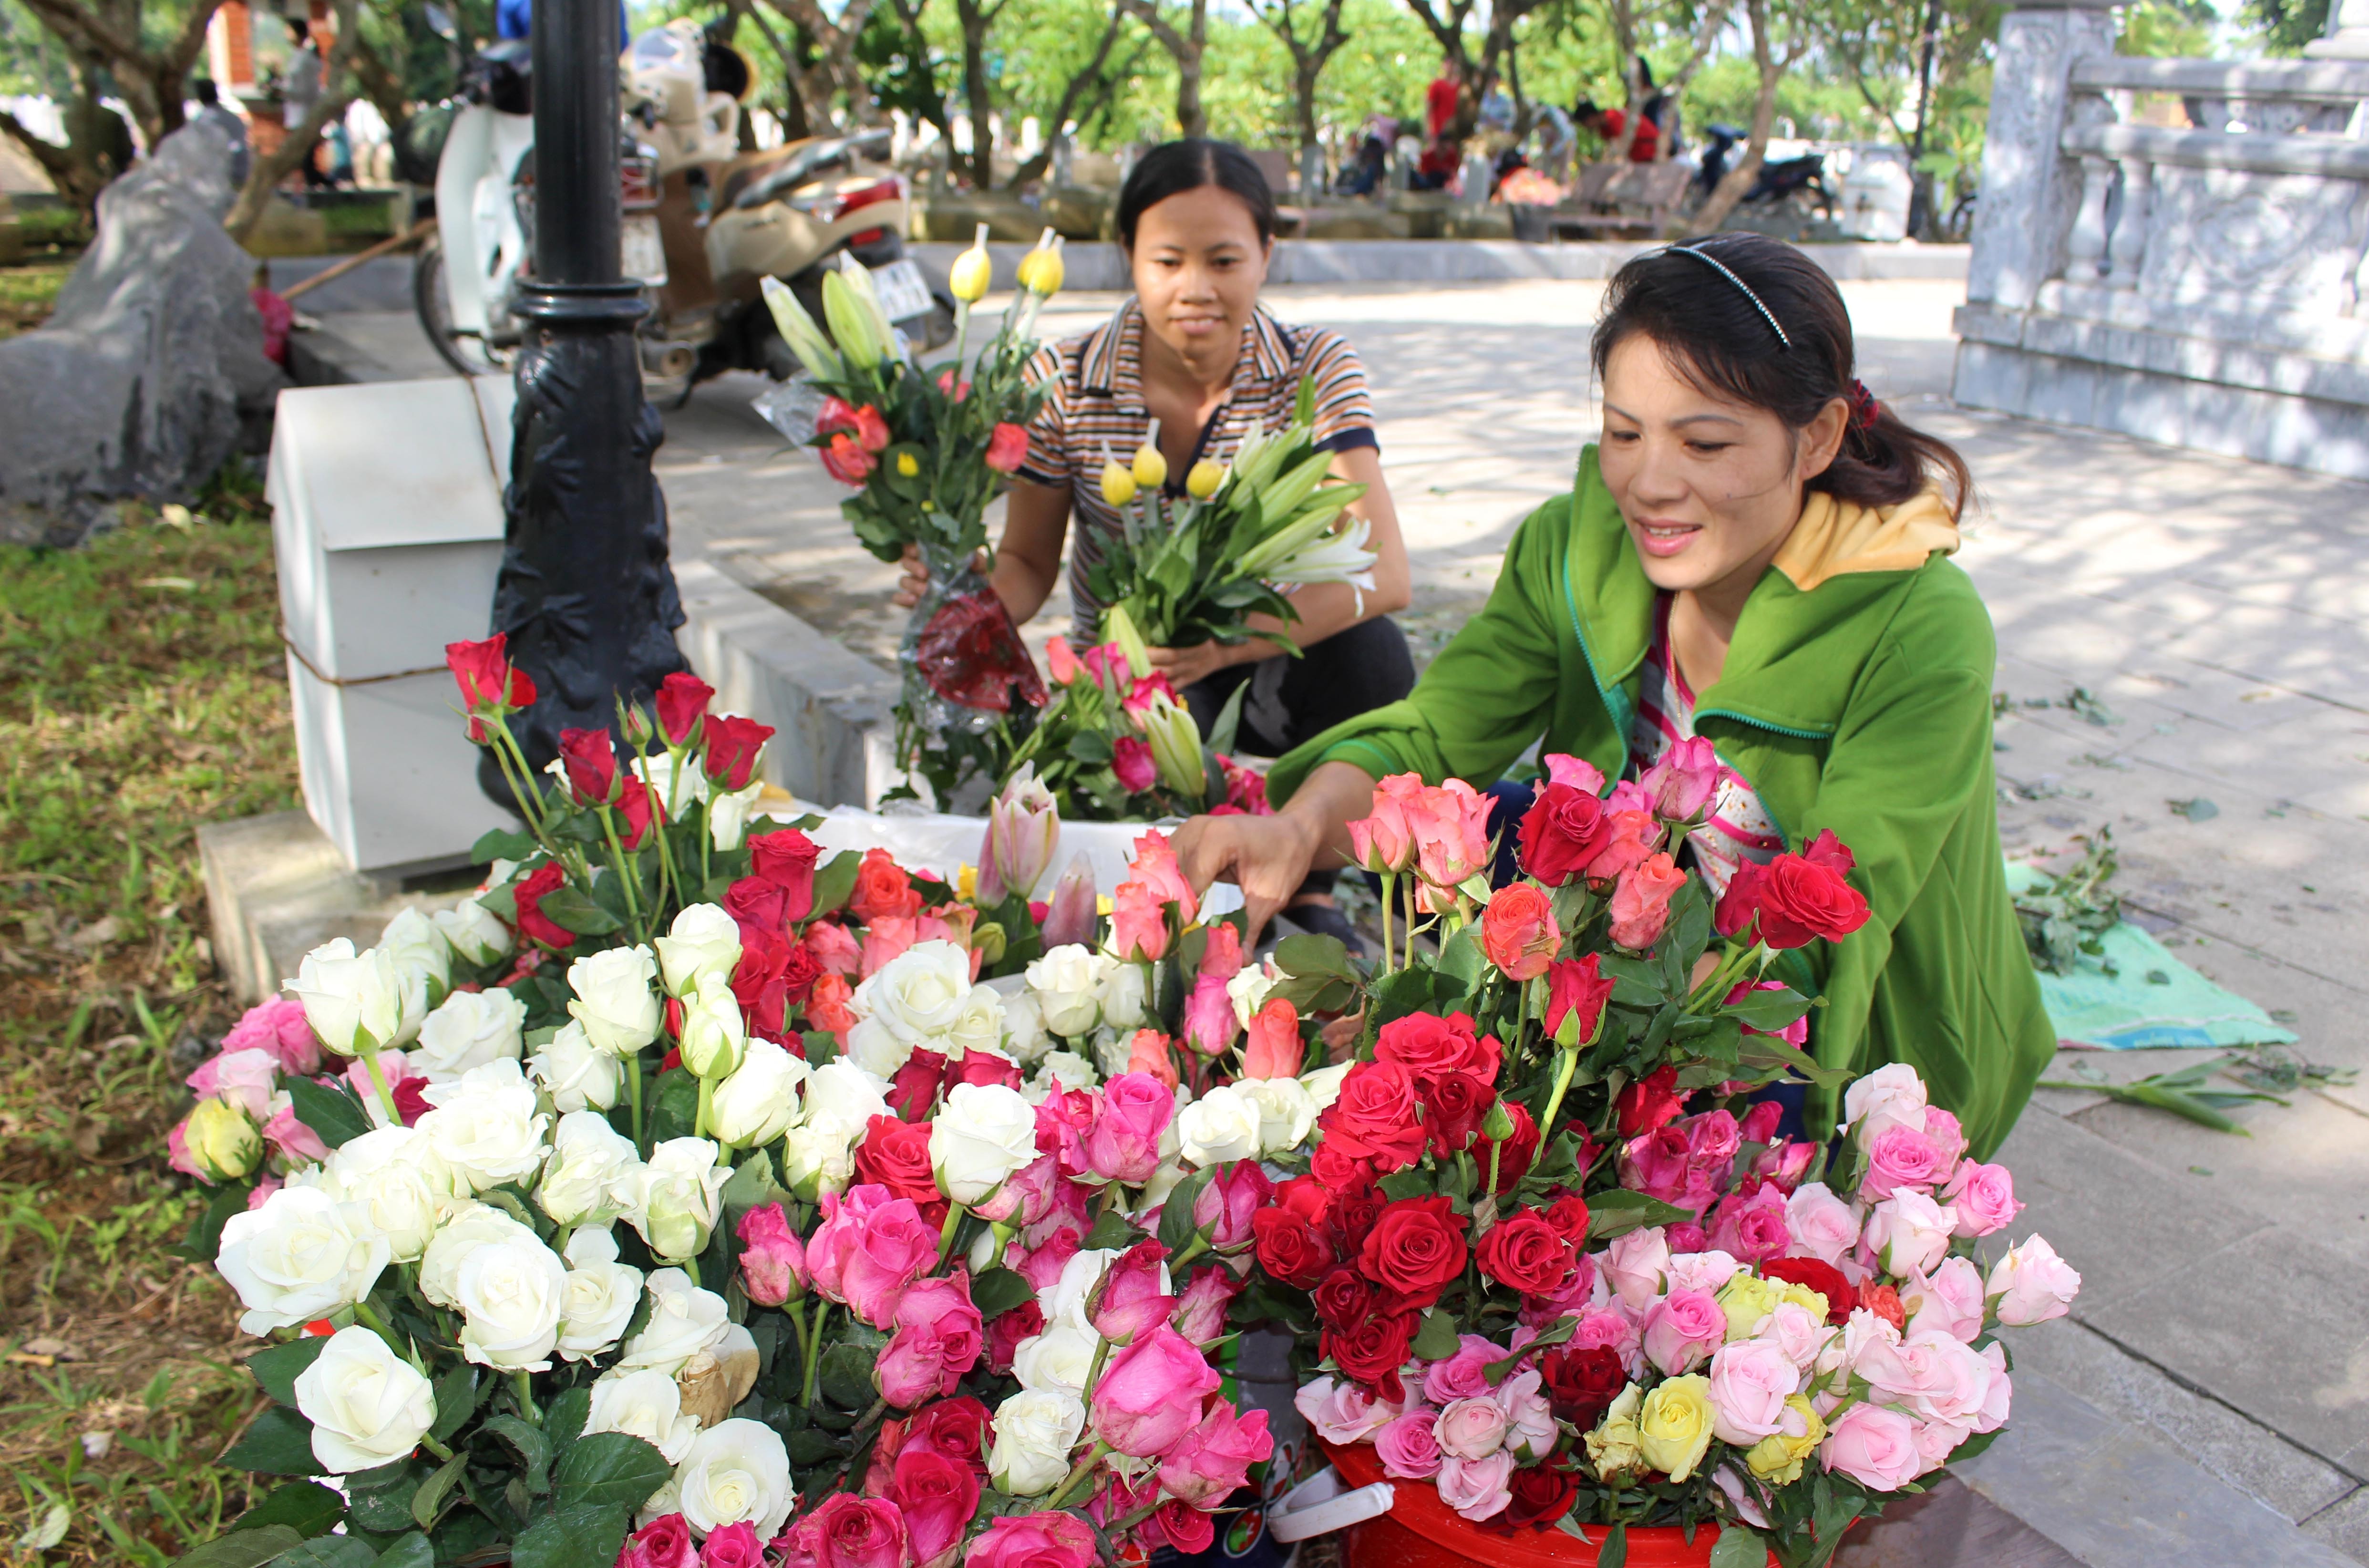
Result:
[[1186, 665], [915, 580]]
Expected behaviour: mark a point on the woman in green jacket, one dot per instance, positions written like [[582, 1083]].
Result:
[[1757, 553]]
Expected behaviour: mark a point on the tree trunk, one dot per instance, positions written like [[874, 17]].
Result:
[[149, 80], [1185, 49], [337, 91], [1074, 98], [1738, 179], [979, 97]]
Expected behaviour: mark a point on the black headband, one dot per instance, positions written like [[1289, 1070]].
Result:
[[1725, 271]]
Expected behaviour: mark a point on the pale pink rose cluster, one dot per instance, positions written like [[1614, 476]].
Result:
[[1454, 1430]]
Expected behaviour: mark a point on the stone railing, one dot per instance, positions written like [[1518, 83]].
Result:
[[2199, 285]]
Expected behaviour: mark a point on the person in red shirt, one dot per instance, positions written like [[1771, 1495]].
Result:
[[1609, 122], [1439, 104]]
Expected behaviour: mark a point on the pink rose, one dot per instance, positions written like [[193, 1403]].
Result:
[[1471, 1428], [1041, 1265], [1685, 1236], [2032, 1285], [247, 1078], [1714, 1139], [1464, 1374], [1027, 1194], [1576, 771], [1824, 1226], [848, 1531], [1996, 1401], [773, 1260], [1784, 1162], [1228, 1203], [1892, 1095], [1341, 1413], [1407, 1448], [1658, 1164], [1749, 1383], [1640, 901], [886, 940], [937, 1494], [1201, 1310], [1754, 1228], [1034, 1540], [834, 949], [1683, 780], [1629, 835], [1614, 1332], [1707, 1271], [1906, 1233], [278, 1025], [664, 1542], [1274, 1049], [938, 1323], [1798, 1331], [1209, 1022], [1133, 1298], [1875, 1447], [1950, 1302], [732, 1546], [292, 1138], [1478, 1489], [1151, 1393], [1681, 1329], [1154, 865], [1936, 1441], [1530, 1429], [1132, 1111], [1449, 824], [1949, 1140], [1214, 1458], [1983, 1197], [1384, 840], [1221, 950], [869, 1247], [1900, 1157], [262, 1191], [1637, 1263], [1139, 922], [1131, 760]]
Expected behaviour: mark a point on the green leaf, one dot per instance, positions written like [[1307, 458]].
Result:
[[822, 1048], [1635, 983], [834, 881], [276, 1371], [846, 1377], [608, 1469], [305, 1506], [501, 844], [1307, 954], [279, 1442], [1176, 1226], [381, 1499], [532, 1448], [571, 908], [327, 1552], [1739, 1547], [427, 1503], [1436, 1340], [1413, 1182], [412, 1552], [457, 1393], [242, 1548], [1230, 720], [1619, 1210], [1462, 957], [572, 1537], [1614, 1552], [998, 1291], [334, 1114], [1111, 1229], [564, 1419], [1091, 746], [1767, 1011], [204, 1238], [675, 1107]]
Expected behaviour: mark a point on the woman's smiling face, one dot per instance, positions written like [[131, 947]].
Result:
[[1710, 488], [1198, 263]]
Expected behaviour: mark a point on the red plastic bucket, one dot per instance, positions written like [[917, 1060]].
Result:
[[1420, 1532]]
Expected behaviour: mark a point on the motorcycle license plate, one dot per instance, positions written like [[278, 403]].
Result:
[[645, 254], [903, 293]]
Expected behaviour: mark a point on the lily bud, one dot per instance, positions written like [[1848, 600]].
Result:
[[1175, 745], [989, 943], [1202, 480], [1040, 269], [968, 279], [1119, 483], [1119, 627], [1024, 829], [1150, 469], [851, 323], [1069, 918]]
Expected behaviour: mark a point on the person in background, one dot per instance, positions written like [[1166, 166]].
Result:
[[1608, 123], [212, 113], [1437, 166], [1557, 141], [300, 88], [1370, 173]]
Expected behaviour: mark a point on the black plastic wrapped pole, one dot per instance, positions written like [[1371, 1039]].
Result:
[[585, 592]]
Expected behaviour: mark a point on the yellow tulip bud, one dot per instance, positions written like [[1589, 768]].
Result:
[[1150, 468], [968, 279], [1119, 483], [1040, 269], [1201, 481]]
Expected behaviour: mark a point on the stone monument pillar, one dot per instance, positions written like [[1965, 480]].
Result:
[[2348, 33], [2027, 188]]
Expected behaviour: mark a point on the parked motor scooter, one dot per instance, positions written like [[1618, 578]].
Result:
[[1778, 180]]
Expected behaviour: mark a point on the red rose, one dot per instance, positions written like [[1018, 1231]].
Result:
[[1651, 1103], [1415, 1249], [487, 679], [1370, 1352], [1342, 1299], [528, 898], [1007, 1330], [1541, 1495], [844, 459], [1562, 833], [1577, 986], [1582, 1384], [1427, 1045], [1453, 1106], [895, 1155], [1304, 1198], [1568, 1215], [1525, 1253], [1353, 1214], [1375, 1116], [1823, 1277], [591, 758], [915, 1088], [1007, 448], [882, 889], [729, 749], [954, 1427], [1521, 1147], [1333, 1168], [1802, 899], [1290, 1248], [757, 982], [681, 702], [757, 906], [1188, 1529], [786, 860], [639, 807]]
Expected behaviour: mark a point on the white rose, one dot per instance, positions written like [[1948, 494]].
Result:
[[682, 1194], [614, 1000], [573, 1073], [486, 1124], [704, 940], [982, 1134], [676, 781], [1122, 994], [470, 1029], [667, 1499], [847, 1093], [915, 996], [1323, 1086], [598, 1300], [473, 931], [1891, 1096], [1219, 1127], [818, 1155], [1908, 1232], [1034, 1430], [715, 1035], [1286, 1112], [393, 1176], [977, 1025], [1248, 990], [1057, 1074], [368, 1405], [736, 1471], [1065, 982], [1065, 1303], [684, 1321], [728, 812], [300, 1256], [1023, 1028], [594, 1174], [1057, 1361], [354, 1001], [760, 1101], [423, 962], [510, 1294], [644, 1405], [478, 1225]]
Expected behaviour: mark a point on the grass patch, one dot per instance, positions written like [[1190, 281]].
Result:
[[141, 692], [27, 294]]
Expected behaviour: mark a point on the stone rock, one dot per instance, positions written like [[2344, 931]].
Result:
[[955, 216], [145, 375]]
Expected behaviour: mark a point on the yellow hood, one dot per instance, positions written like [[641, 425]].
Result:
[[1835, 538]]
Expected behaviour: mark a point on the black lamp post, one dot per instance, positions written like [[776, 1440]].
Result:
[[585, 592]]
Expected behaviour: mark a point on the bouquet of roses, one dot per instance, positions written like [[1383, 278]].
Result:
[[1553, 1261]]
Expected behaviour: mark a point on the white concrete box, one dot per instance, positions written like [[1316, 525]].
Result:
[[387, 526]]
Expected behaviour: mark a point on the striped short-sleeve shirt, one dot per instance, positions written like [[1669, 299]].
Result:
[[1094, 403]]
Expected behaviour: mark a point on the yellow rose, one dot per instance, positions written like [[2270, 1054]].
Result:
[[1674, 1426], [222, 1141], [1778, 1459], [1612, 1447], [1801, 1295], [1746, 1298]]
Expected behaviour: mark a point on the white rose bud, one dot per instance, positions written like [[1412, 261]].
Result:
[[982, 1134], [915, 996], [842, 1090], [819, 1156], [614, 1000], [1247, 990], [594, 1175], [702, 940], [577, 1076], [470, 1029], [399, 1181], [644, 1405], [684, 1320], [368, 1405], [1023, 1028], [510, 1294], [354, 1001], [1286, 1114], [738, 1472], [1218, 1129], [1057, 1361], [302, 1255], [473, 931], [478, 1225], [1034, 1431], [1323, 1086], [1122, 994], [728, 813], [713, 1034], [1065, 982], [682, 1192], [598, 1300], [760, 1101], [486, 1125], [977, 1025], [423, 962], [1058, 1072]]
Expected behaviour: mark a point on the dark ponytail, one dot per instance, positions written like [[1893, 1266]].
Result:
[[1175, 167], [1753, 319]]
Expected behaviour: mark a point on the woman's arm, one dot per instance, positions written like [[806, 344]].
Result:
[[1269, 857], [1327, 607], [1027, 566]]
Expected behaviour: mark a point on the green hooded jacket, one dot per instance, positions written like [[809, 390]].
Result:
[[1856, 697]]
